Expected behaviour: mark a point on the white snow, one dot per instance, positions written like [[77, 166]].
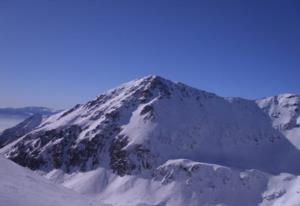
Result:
[[183, 182], [204, 149], [284, 112], [21, 187]]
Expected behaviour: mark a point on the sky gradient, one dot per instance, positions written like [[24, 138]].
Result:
[[58, 53]]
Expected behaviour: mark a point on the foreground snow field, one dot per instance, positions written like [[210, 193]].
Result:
[[154, 142], [184, 182], [178, 182], [21, 187]]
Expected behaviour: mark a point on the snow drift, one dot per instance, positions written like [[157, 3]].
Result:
[[21, 187]]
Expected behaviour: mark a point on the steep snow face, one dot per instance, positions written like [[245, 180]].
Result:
[[281, 190], [284, 111], [21, 187], [137, 127]]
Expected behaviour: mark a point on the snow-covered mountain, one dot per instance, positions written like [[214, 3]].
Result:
[[156, 142], [21, 187]]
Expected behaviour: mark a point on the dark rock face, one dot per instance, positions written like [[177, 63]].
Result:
[[146, 109], [159, 83], [60, 149], [50, 147], [124, 162], [119, 158], [144, 158], [101, 146], [148, 112]]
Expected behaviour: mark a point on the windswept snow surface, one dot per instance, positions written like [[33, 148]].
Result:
[[183, 182], [154, 142], [284, 110], [21, 187]]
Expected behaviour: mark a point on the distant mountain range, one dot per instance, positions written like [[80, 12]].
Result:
[[155, 142], [26, 111], [11, 116]]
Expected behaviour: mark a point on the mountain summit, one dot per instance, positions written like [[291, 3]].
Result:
[[159, 134]]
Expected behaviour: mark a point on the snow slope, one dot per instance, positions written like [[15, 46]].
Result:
[[156, 142], [284, 110], [184, 182], [21, 187]]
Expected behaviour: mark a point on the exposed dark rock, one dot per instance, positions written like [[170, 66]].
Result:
[[147, 109], [113, 115], [118, 156]]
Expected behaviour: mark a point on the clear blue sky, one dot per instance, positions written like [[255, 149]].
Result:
[[58, 53]]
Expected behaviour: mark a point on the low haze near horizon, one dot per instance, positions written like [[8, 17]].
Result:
[[60, 53]]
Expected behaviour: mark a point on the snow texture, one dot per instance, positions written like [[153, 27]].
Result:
[[154, 142], [21, 187]]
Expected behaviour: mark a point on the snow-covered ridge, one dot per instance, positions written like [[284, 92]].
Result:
[[184, 182], [148, 121], [284, 111], [21, 187], [158, 141]]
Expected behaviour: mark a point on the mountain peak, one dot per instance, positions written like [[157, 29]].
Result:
[[154, 132], [147, 121], [287, 95], [152, 77], [150, 81]]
